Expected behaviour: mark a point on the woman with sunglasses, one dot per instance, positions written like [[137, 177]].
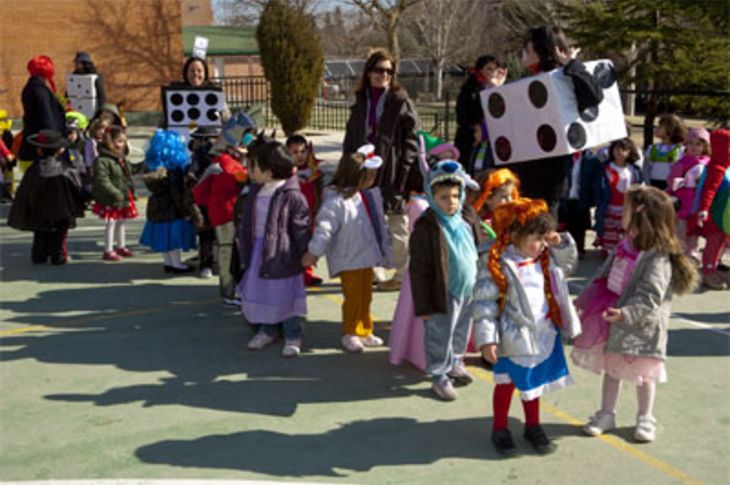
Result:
[[384, 116]]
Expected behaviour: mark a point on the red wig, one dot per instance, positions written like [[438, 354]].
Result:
[[42, 66]]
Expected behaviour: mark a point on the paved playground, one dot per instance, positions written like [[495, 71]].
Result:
[[119, 371]]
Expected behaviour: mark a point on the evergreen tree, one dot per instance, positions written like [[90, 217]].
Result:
[[292, 60], [662, 46]]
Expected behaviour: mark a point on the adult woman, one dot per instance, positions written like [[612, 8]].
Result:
[[42, 110], [384, 116], [84, 65], [545, 49], [487, 71]]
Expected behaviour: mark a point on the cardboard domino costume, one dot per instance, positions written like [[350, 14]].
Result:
[[82, 95], [537, 117], [186, 108]]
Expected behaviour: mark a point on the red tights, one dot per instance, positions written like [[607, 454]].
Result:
[[501, 400]]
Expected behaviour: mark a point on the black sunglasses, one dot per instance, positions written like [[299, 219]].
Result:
[[383, 70]]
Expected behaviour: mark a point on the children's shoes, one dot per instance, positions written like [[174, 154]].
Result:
[[110, 256], [261, 340], [352, 343], [503, 443], [539, 440], [292, 348], [460, 375], [599, 423], [444, 389], [371, 341], [125, 252], [645, 429]]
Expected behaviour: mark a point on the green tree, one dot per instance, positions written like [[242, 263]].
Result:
[[662, 46], [292, 60]]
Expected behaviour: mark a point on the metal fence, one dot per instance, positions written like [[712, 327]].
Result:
[[253, 94]]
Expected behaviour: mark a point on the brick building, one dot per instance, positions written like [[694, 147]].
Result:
[[136, 45]]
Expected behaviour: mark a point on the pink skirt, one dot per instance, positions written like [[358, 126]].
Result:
[[638, 370], [406, 333], [591, 304]]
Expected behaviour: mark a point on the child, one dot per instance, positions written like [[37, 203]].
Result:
[[113, 192], [7, 157], [626, 309], [310, 183], [659, 157], [712, 216], [272, 238], [500, 187], [443, 270], [406, 334], [682, 184], [620, 172], [48, 200], [217, 190], [351, 231], [168, 229], [521, 310]]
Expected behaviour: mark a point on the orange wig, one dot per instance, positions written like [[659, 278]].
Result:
[[496, 179]]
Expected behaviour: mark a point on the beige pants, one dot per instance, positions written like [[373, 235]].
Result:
[[224, 235], [398, 229]]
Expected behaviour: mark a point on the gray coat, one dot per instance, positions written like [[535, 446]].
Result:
[[645, 305], [346, 237], [513, 330]]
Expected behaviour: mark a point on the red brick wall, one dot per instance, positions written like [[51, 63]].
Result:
[[136, 45]]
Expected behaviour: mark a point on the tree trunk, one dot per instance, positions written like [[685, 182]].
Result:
[[649, 116], [439, 79]]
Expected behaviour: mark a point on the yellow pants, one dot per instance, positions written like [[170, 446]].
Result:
[[357, 288]]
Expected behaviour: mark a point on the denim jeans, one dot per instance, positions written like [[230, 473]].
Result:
[[291, 327]]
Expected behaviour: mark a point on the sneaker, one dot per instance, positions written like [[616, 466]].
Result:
[[460, 375], [110, 256], [352, 343], [232, 301], [261, 340], [645, 429], [714, 281], [124, 252], [599, 423], [292, 348], [539, 440], [372, 341], [503, 443], [206, 273], [444, 389], [390, 285]]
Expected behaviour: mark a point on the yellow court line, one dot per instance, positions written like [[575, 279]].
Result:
[[108, 316], [610, 440]]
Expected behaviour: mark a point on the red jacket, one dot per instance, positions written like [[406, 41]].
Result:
[[219, 192], [715, 172]]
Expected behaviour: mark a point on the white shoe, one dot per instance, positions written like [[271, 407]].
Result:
[[206, 273], [444, 389], [232, 301], [352, 343], [599, 423], [292, 348], [462, 376], [260, 341], [372, 341], [645, 429]]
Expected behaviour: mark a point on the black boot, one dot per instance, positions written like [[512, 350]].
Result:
[[503, 443], [539, 440]]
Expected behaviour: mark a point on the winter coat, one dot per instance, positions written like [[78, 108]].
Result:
[[715, 173], [645, 305], [219, 192], [468, 113], [41, 111], [168, 201], [112, 179], [513, 328], [345, 233], [396, 142], [688, 169], [287, 231], [602, 190], [428, 265]]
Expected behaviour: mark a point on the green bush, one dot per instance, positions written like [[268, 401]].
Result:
[[292, 60]]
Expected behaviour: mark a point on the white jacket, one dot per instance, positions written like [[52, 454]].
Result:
[[346, 235]]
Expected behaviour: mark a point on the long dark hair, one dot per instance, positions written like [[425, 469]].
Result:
[[544, 41], [189, 61], [350, 175], [376, 56]]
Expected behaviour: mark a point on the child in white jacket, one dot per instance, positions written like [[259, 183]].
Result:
[[350, 230]]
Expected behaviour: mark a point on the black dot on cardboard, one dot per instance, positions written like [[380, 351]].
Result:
[[546, 138], [211, 99], [604, 75], [212, 115], [177, 116], [193, 99], [496, 105], [589, 114], [538, 94], [576, 135], [193, 113], [503, 148], [176, 99]]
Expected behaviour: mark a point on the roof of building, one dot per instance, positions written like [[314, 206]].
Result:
[[222, 40], [351, 68]]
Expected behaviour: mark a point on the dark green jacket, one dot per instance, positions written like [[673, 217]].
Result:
[[112, 180]]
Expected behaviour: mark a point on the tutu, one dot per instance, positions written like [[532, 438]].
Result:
[[110, 212], [639, 370], [406, 334], [591, 304], [168, 236]]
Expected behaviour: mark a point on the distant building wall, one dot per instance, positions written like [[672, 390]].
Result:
[[197, 12]]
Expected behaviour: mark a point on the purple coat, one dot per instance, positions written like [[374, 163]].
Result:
[[288, 229]]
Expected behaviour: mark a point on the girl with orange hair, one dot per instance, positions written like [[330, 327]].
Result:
[[500, 187], [521, 310]]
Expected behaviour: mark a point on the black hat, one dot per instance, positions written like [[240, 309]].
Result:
[[206, 132], [82, 56], [48, 139]]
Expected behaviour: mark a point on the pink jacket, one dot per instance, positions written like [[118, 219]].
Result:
[[684, 175]]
